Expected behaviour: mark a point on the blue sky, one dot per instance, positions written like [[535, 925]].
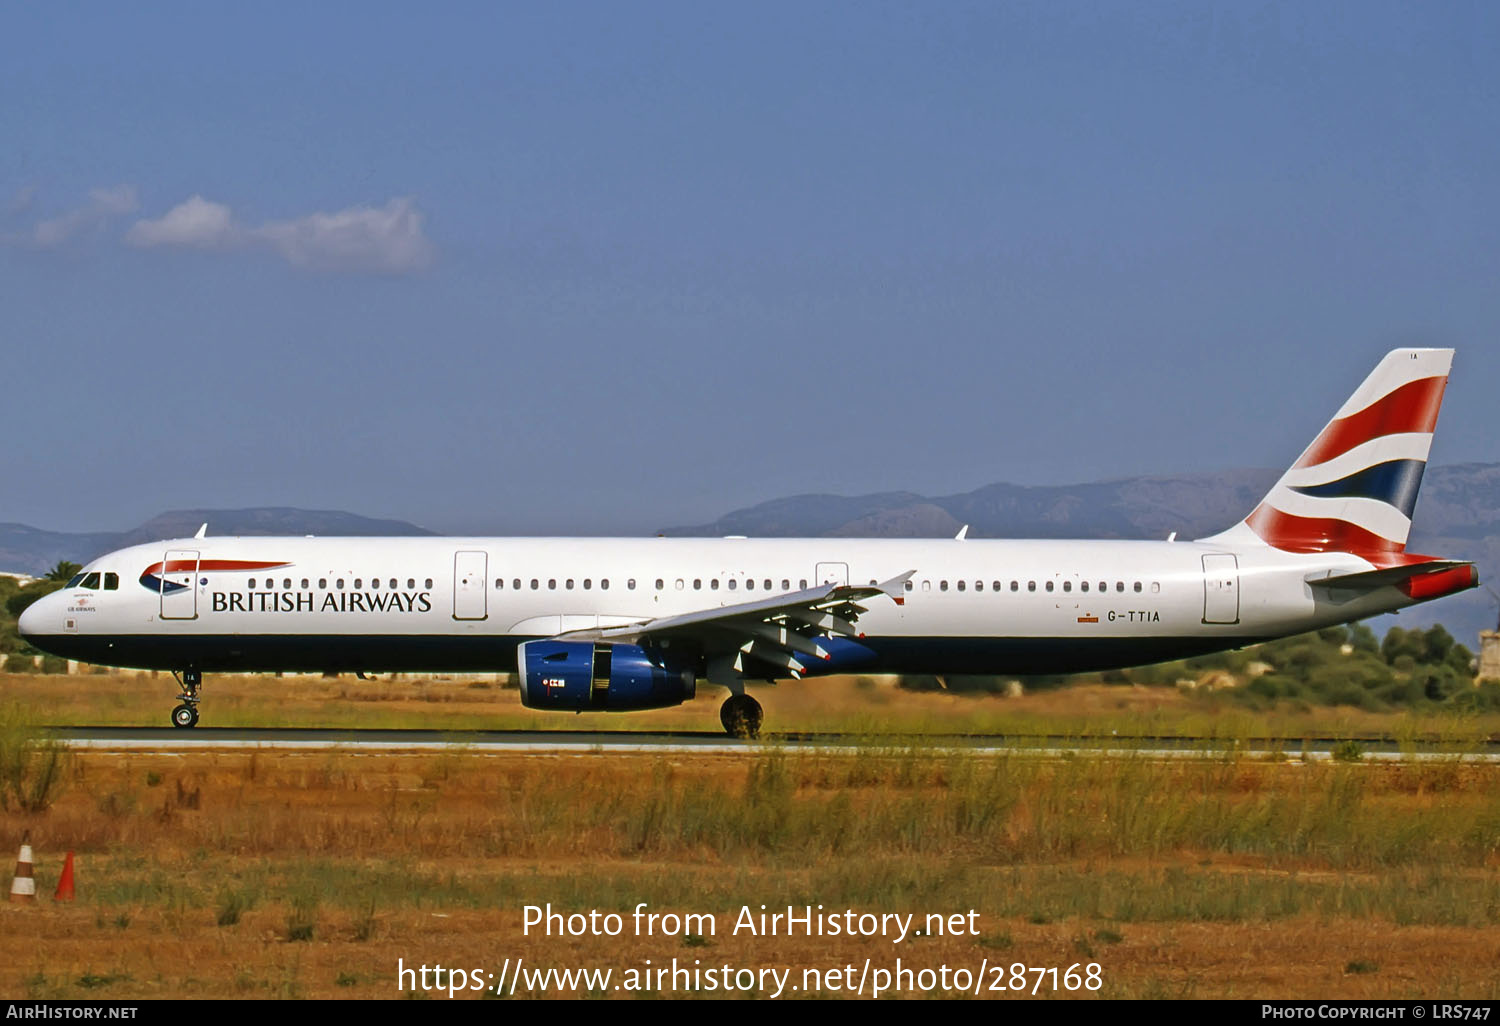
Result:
[[602, 268]]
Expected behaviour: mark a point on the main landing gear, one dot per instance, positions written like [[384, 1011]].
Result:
[[741, 716], [186, 714]]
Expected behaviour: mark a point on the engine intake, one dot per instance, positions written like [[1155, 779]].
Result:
[[581, 675]]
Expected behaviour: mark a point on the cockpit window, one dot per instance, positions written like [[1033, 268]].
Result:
[[91, 580], [77, 580], [111, 582]]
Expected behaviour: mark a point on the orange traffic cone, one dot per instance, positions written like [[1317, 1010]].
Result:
[[23, 885], [65, 882]]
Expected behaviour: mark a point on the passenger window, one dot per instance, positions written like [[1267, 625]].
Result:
[[978, 585], [396, 584], [1015, 585], [630, 584], [552, 584], [731, 584], [1031, 586], [305, 584], [926, 585], [111, 582], [995, 586], [429, 582], [1068, 586], [515, 583], [340, 583], [411, 584], [80, 577], [961, 586], [679, 584], [750, 584], [77, 579], [570, 584], [768, 584], [908, 585], [1103, 585], [697, 584], [660, 584], [1119, 586], [714, 584], [1138, 586], [359, 582], [802, 585], [786, 585], [1155, 587], [1049, 585], [588, 583], [322, 584], [374, 582], [499, 583], [287, 584], [604, 584], [535, 584]]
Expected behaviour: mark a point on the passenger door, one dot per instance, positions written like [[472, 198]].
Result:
[[1221, 589], [469, 592], [179, 585]]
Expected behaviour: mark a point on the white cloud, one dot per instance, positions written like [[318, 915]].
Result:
[[380, 240], [196, 223], [388, 239], [103, 204], [383, 240]]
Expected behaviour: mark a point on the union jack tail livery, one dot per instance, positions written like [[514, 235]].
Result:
[[1355, 487]]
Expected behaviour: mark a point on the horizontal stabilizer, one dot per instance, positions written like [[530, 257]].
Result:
[[1425, 580]]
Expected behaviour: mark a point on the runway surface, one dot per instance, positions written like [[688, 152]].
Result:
[[564, 742]]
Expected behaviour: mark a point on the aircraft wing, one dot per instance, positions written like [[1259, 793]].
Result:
[[782, 631]]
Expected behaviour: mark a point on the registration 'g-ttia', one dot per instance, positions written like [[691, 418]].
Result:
[[621, 624]]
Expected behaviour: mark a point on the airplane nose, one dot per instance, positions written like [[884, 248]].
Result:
[[30, 623]]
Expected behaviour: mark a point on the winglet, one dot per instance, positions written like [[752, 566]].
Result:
[[202, 531], [896, 586], [963, 532]]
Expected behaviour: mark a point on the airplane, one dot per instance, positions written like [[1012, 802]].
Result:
[[633, 623]]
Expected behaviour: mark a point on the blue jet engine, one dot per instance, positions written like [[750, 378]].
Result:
[[581, 675]]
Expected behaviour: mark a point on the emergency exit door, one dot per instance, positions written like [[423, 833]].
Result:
[[832, 573]]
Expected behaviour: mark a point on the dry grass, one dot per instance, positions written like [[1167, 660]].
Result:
[[283, 874], [841, 704]]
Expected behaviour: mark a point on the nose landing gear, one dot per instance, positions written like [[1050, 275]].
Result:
[[741, 716], [186, 714]]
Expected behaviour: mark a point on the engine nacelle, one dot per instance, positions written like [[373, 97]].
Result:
[[579, 675]]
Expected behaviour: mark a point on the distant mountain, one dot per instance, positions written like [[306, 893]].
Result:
[[33, 551], [1458, 515]]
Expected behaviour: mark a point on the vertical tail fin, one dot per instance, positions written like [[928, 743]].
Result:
[[1355, 487]]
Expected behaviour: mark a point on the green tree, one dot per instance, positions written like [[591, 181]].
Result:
[[18, 603], [63, 572], [1363, 638]]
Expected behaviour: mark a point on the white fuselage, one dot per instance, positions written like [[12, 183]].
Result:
[[415, 604]]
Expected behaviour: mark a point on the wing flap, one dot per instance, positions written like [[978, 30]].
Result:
[[784, 632]]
